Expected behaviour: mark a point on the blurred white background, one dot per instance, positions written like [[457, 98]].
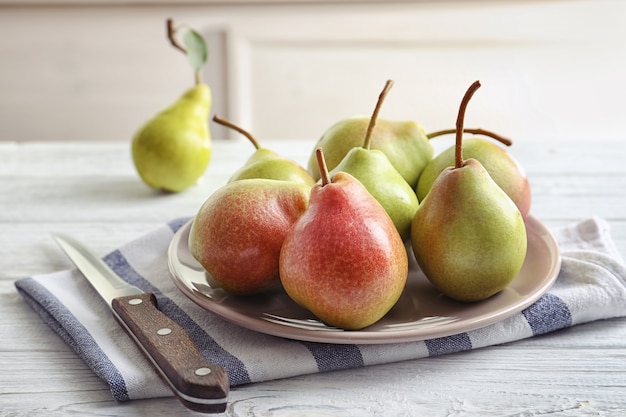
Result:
[[288, 69]]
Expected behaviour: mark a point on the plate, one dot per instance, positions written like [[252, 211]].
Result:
[[421, 312]]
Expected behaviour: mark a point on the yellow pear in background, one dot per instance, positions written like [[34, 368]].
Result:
[[173, 149]]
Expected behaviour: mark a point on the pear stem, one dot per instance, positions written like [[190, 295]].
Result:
[[477, 131], [233, 126], [458, 160], [171, 35], [321, 162], [372, 123]]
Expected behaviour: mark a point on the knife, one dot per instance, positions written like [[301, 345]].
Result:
[[198, 384]]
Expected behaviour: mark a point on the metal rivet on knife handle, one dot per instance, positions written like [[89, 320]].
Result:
[[164, 331], [202, 371]]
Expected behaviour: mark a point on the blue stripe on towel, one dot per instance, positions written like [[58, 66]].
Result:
[[547, 314], [449, 344], [212, 351], [178, 223], [330, 357], [63, 322]]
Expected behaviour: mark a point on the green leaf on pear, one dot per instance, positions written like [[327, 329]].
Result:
[[197, 51]]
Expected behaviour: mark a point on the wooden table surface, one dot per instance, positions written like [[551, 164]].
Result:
[[91, 191]]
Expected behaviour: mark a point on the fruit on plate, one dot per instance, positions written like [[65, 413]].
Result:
[[403, 141], [373, 169], [500, 164], [265, 163], [468, 236], [173, 149], [239, 230], [343, 259]]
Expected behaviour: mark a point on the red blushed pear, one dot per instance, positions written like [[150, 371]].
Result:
[[468, 236], [239, 230], [343, 259]]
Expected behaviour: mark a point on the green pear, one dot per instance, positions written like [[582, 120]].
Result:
[[239, 230], [373, 169], [173, 149], [265, 163], [343, 259], [403, 141], [499, 163], [468, 236]]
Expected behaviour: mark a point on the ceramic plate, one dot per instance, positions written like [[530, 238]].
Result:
[[421, 312]]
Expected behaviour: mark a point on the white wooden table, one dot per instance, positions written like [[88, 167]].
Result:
[[91, 191]]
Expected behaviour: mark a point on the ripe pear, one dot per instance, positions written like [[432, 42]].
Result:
[[403, 141], [468, 236], [265, 163], [173, 149], [239, 230], [343, 259], [373, 169], [500, 164]]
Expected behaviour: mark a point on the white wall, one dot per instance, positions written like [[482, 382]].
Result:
[[290, 69]]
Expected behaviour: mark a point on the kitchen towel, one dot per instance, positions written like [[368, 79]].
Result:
[[591, 286]]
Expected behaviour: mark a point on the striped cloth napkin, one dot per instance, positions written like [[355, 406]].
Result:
[[591, 286]]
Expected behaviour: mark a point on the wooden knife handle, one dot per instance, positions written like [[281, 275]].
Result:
[[198, 384]]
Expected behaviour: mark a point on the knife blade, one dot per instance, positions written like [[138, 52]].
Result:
[[196, 383]]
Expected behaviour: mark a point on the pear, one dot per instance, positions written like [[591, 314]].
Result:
[[403, 141], [507, 172], [343, 259], [265, 163], [373, 169], [468, 236], [173, 149], [239, 230]]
